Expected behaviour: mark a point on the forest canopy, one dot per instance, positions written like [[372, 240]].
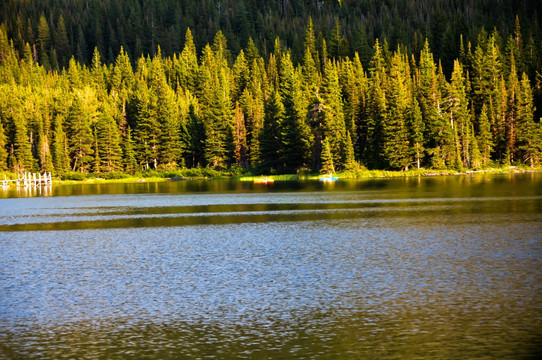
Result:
[[268, 86]]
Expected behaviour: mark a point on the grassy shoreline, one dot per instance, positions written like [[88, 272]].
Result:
[[208, 174]]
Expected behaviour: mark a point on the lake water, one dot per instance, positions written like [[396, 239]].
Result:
[[418, 268]]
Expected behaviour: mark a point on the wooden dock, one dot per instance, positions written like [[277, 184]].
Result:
[[29, 180]]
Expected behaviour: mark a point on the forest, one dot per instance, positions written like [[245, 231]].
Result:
[[109, 87]]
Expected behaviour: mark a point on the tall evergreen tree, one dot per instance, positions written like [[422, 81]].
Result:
[[80, 137], [333, 126], [129, 158], [62, 43], [3, 150], [485, 141], [108, 143], [240, 139], [270, 144], [147, 131], [396, 150], [326, 158], [529, 141], [416, 129], [61, 161]]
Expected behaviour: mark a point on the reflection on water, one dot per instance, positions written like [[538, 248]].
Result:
[[417, 268]]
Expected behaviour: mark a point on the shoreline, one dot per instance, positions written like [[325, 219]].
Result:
[[367, 174], [357, 175]]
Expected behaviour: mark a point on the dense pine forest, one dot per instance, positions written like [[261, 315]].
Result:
[[109, 87]]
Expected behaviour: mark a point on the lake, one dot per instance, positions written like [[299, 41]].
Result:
[[419, 268]]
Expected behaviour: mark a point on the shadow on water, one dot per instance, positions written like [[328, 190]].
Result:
[[160, 216]]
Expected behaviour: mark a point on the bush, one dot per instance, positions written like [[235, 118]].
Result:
[[77, 176], [114, 175]]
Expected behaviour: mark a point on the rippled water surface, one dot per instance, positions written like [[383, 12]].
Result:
[[447, 267]]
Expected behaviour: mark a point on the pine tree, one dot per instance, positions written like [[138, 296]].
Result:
[[196, 141], [326, 158], [80, 137], [97, 71], [294, 132], [529, 143], [309, 43], [457, 108], [240, 139], [44, 38], [513, 89], [241, 76], [61, 161], [485, 141], [218, 120], [188, 63], [129, 159], [169, 142], [333, 126], [438, 135], [396, 150], [44, 152], [270, 144], [416, 129], [354, 88], [147, 128], [475, 155], [376, 114], [350, 160], [108, 143], [62, 43], [3, 150]]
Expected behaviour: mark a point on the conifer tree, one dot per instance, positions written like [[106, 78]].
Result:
[[350, 160], [217, 113], [475, 155], [3, 150], [294, 132], [333, 125], [80, 137], [241, 76], [44, 37], [240, 139], [326, 158], [188, 63], [44, 152], [513, 89], [416, 129], [354, 88], [62, 43], [485, 141], [457, 108], [270, 143], [529, 142], [97, 163], [169, 142], [108, 143], [147, 128], [129, 159], [196, 141], [60, 154], [395, 147], [309, 43], [376, 114], [97, 71]]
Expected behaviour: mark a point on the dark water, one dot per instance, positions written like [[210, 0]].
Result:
[[428, 268]]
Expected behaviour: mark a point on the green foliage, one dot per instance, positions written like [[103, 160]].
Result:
[[303, 104]]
